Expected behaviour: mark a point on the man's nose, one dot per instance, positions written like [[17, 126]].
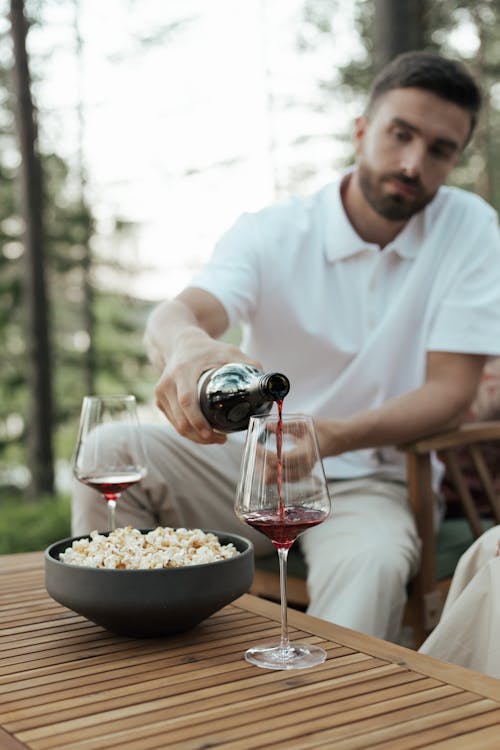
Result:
[[412, 160]]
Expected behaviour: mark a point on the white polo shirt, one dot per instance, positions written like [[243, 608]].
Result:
[[351, 324]]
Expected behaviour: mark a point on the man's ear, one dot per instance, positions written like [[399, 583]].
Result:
[[360, 126]]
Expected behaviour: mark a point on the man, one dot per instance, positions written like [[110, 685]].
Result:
[[379, 297]]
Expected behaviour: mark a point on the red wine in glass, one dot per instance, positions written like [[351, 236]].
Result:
[[111, 485], [110, 455], [283, 527], [282, 492]]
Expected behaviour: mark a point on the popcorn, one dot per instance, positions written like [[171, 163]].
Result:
[[129, 549]]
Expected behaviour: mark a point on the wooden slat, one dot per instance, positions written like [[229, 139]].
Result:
[[486, 480], [8, 742], [330, 726], [426, 592], [167, 715], [485, 738], [51, 698], [192, 691], [391, 652], [459, 730], [307, 694], [470, 433], [238, 719], [22, 561], [468, 504], [146, 693], [68, 684]]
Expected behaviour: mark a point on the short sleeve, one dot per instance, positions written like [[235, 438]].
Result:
[[468, 317], [232, 273]]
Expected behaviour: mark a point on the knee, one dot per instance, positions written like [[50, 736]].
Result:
[[384, 563], [389, 564]]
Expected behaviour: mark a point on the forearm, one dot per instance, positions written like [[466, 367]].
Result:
[[190, 322], [425, 411], [441, 403], [169, 321]]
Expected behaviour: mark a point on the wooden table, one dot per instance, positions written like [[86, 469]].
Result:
[[67, 683]]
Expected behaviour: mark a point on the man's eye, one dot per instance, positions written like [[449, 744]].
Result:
[[402, 135], [440, 152]]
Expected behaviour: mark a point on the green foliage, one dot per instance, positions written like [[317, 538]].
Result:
[[122, 365], [31, 526], [95, 334]]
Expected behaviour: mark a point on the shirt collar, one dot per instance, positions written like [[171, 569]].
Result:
[[341, 240]]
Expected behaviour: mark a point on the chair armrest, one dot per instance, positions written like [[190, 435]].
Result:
[[418, 455], [469, 433]]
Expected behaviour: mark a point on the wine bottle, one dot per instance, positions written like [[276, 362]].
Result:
[[231, 394]]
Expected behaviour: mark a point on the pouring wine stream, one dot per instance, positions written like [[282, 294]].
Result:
[[282, 509]]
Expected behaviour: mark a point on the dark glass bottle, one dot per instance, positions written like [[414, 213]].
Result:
[[231, 394]]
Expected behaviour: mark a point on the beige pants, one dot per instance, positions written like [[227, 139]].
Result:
[[467, 633], [359, 560]]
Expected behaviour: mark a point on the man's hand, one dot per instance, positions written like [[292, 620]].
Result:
[[181, 338], [177, 390], [298, 454], [332, 436]]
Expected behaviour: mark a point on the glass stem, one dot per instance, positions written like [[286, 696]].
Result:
[[282, 556], [111, 501]]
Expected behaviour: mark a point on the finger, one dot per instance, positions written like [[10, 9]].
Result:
[[184, 414], [193, 422], [168, 402], [165, 395], [190, 422]]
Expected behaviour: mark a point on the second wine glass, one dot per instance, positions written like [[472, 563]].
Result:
[[110, 454], [282, 492]]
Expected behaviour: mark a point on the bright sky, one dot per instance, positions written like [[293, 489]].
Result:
[[178, 137]]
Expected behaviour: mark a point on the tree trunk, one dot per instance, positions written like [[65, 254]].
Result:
[[40, 424], [485, 182], [88, 289], [399, 27]]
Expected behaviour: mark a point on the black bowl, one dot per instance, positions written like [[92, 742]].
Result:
[[149, 603]]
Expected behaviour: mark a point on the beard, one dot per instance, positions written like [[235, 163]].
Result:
[[392, 206]]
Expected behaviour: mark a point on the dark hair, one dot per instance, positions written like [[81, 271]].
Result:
[[448, 79]]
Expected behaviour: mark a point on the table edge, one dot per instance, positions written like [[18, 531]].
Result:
[[467, 679]]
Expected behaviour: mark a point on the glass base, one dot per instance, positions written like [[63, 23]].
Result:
[[296, 656]]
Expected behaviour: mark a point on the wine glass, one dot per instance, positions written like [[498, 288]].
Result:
[[282, 491], [110, 454]]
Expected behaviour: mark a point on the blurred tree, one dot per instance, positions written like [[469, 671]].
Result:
[[482, 20], [40, 420], [88, 289], [399, 26], [69, 232]]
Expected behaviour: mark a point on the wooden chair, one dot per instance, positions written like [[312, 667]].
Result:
[[426, 591]]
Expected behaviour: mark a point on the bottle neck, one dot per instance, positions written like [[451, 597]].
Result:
[[274, 385]]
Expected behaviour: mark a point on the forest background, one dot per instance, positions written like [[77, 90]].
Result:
[[111, 197]]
